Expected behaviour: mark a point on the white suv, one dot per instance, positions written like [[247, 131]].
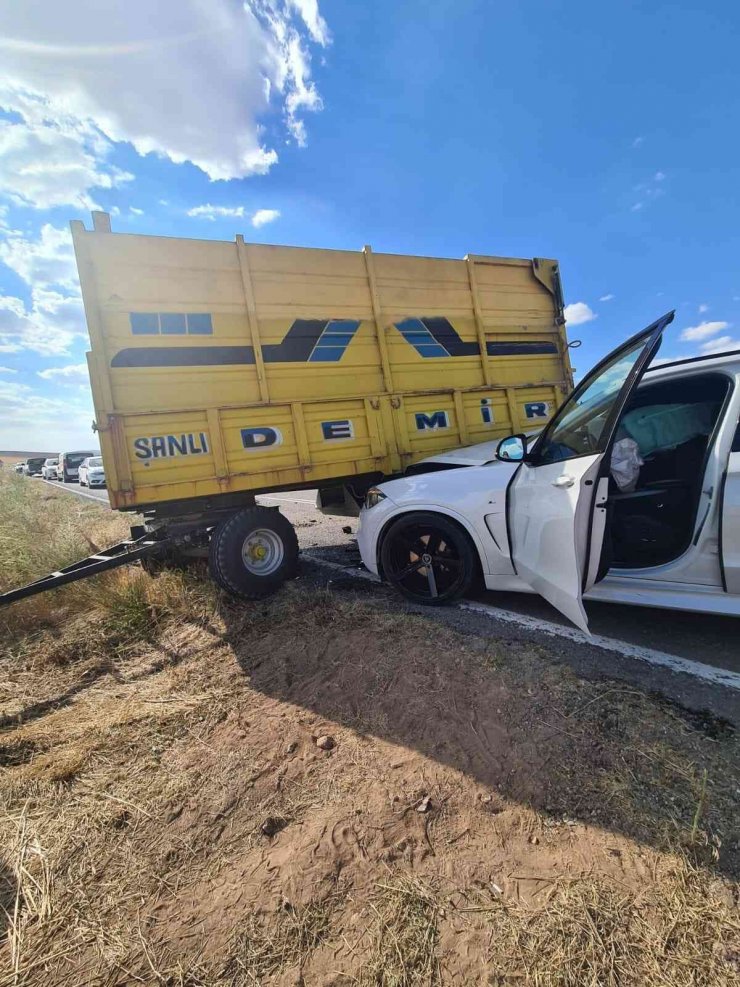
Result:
[[631, 494]]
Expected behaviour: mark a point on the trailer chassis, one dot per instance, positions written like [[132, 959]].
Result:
[[251, 551]]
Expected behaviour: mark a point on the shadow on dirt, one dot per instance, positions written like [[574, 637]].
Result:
[[162, 657], [503, 712]]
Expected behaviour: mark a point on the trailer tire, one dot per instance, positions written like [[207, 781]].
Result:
[[253, 552]]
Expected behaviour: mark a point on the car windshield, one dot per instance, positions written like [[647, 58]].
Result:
[[74, 459], [578, 429], [95, 463]]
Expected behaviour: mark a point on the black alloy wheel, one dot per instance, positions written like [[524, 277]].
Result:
[[428, 558]]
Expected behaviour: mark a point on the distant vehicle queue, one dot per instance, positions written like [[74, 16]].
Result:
[[85, 467]]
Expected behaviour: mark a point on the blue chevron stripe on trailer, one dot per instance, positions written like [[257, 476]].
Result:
[[415, 332], [333, 341]]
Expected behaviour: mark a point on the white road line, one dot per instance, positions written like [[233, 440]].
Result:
[[287, 500], [715, 676], [76, 491]]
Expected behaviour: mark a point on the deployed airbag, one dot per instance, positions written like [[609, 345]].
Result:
[[626, 463], [665, 426]]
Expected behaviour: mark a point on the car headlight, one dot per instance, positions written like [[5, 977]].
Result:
[[373, 497]]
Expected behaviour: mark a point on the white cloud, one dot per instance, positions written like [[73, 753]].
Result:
[[32, 420], [703, 308], [47, 260], [302, 94], [648, 191], [309, 11], [136, 212], [212, 213], [264, 216], [703, 331], [46, 163], [54, 318], [208, 211], [7, 370], [577, 313], [606, 298], [720, 345], [74, 373], [49, 327], [183, 79]]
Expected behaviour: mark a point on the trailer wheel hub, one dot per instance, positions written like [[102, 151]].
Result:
[[262, 552]]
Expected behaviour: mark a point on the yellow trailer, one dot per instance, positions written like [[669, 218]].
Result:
[[220, 370]]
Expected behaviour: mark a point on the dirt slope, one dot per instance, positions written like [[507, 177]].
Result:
[[173, 813]]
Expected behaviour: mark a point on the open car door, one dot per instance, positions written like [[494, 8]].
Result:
[[556, 501]]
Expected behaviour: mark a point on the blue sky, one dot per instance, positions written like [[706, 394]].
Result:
[[604, 136]]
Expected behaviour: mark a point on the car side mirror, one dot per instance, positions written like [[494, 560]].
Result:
[[512, 449]]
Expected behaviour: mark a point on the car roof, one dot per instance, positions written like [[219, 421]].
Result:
[[710, 360]]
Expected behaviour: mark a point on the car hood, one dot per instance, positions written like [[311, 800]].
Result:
[[476, 455], [454, 489]]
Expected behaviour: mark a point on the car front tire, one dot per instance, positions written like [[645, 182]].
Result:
[[428, 558]]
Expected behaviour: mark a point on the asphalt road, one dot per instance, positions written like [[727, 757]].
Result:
[[707, 640]]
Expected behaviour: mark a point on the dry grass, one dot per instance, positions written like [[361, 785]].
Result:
[[29, 874], [42, 531], [589, 932], [581, 932], [405, 936], [263, 949]]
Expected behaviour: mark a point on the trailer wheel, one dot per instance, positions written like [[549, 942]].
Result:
[[253, 552]]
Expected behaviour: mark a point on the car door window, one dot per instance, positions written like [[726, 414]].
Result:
[[582, 425]]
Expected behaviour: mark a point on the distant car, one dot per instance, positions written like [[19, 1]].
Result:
[[91, 472], [35, 465], [631, 494], [49, 469], [69, 464]]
